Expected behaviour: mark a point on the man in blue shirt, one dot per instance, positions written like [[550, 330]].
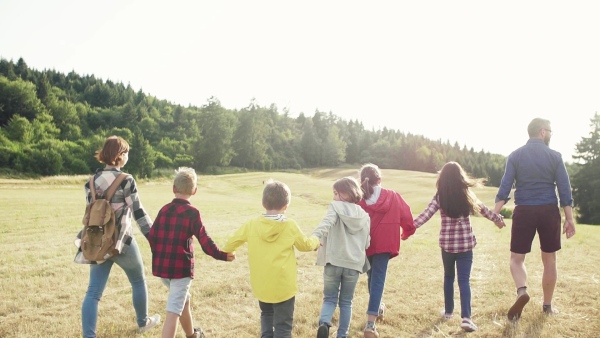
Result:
[[536, 172]]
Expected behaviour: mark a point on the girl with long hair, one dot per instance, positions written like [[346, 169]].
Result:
[[456, 203]]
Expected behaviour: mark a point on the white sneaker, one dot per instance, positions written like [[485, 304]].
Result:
[[468, 325], [446, 316], [381, 312], [150, 323], [371, 333]]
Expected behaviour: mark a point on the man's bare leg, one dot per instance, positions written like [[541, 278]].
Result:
[[519, 274], [549, 279]]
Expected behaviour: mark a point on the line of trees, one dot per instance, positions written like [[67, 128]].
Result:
[[51, 123]]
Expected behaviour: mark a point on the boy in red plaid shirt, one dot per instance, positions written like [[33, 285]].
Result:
[[172, 244]]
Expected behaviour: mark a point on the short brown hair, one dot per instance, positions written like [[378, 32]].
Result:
[[112, 151], [349, 186], [537, 124], [276, 195]]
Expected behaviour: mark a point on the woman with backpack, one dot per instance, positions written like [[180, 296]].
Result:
[[125, 253]]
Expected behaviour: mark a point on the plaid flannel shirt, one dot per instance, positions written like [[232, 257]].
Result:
[[172, 243], [456, 234], [125, 202]]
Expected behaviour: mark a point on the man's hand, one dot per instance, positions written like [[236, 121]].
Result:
[[569, 228], [498, 206]]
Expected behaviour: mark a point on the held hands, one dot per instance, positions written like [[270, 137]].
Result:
[[569, 228], [231, 256], [500, 224], [317, 248]]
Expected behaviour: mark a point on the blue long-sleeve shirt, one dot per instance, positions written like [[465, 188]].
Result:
[[537, 172]]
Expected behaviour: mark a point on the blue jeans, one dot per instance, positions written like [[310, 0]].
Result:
[[338, 284], [131, 262], [463, 261], [376, 281], [277, 319]]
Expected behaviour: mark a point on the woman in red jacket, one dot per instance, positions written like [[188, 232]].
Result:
[[389, 212]]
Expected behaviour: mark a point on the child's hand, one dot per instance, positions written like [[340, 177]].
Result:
[[500, 224], [231, 256]]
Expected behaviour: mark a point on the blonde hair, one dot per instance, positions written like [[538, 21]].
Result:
[[276, 195], [185, 180]]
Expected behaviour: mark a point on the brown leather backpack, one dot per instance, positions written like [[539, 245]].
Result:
[[100, 228]]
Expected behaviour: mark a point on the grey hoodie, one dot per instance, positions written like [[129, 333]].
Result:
[[344, 236]]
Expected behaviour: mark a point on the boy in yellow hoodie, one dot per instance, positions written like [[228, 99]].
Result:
[[271, 241]]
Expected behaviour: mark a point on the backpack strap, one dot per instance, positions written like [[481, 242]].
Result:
[[113, 187], [92, 188]]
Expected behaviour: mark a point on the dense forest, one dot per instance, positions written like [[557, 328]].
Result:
[[51, 124]]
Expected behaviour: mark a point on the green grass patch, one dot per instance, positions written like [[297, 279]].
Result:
[[42, 289]]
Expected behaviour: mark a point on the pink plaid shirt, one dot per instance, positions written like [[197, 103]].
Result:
[[456, 234]]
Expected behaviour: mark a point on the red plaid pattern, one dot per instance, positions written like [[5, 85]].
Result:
[[456, 234], [172, 243]]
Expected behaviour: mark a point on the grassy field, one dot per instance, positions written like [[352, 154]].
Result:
[[41, 289]]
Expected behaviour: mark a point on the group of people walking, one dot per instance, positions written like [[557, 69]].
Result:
[[361, 232]]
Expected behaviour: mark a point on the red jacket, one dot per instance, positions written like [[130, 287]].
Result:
[[388, 215]]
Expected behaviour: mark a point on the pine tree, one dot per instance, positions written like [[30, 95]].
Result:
[[586, 182]]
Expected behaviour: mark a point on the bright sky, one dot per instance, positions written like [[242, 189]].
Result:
[[472, 72]]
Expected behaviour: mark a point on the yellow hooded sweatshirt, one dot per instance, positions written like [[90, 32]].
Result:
[[271, 256]]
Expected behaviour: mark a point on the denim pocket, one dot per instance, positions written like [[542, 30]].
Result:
[[331, 270]]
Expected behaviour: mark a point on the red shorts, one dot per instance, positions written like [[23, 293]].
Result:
[[527, 219]]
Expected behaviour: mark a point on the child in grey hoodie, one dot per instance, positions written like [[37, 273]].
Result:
[[344, 237]]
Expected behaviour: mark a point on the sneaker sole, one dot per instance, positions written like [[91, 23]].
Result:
[[371, 334], [468, 328], [515, 311], [154, 321]]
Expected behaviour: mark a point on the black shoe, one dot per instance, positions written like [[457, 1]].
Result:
[[550, 310], [323, 331], [514, 313]]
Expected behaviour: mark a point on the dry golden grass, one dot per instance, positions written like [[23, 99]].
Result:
[[41, 289]]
